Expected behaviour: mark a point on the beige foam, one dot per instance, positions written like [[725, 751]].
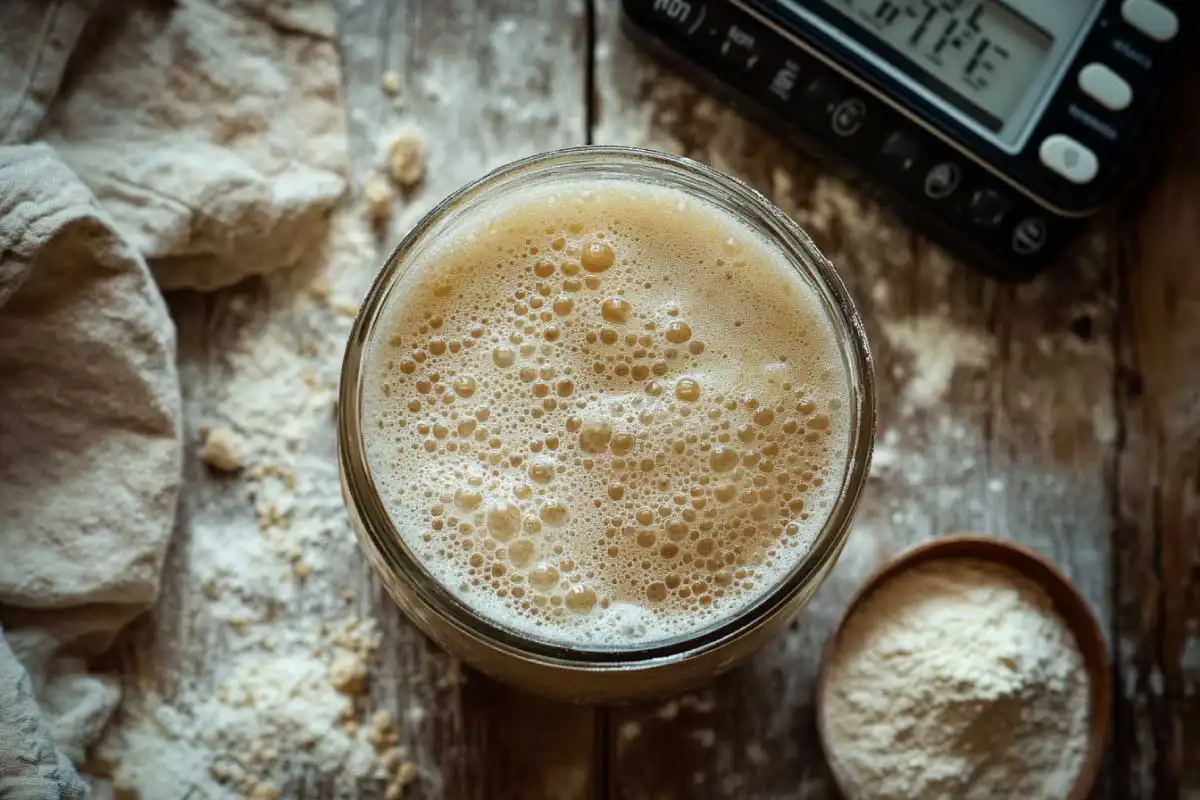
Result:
[[605, 413]]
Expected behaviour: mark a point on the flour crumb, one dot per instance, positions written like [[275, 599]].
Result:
[[348, 673], [406, 157], [630, 730], [390, 82], [381, 731], [391, 760], [377, 197], [222, 450], [405, 775]]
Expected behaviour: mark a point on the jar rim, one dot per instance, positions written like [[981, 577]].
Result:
[[378, 532]]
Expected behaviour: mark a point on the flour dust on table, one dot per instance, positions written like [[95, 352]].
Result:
[[268, 554]]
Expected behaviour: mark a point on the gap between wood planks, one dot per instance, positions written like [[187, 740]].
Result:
[[590, 99]]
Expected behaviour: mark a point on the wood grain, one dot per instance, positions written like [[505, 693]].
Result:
[[1158, 475], [487, 84], [1021, 443], [1064, 414], [484, 86]]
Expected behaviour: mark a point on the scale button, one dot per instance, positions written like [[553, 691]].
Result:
[[1029, 236], [988, 208], [1151, 18], [1105, 87], [942, 180], [1069, 158], [903, 149], [848, 116]]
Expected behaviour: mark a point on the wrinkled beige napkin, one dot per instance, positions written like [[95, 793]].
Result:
[[89, 447], [188, 145]]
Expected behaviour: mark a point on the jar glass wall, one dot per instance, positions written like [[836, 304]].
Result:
[[585, 672]]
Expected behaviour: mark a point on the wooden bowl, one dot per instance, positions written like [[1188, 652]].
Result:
[[1069, 603]]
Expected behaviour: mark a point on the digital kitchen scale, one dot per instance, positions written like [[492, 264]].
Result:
[[1002, 125]]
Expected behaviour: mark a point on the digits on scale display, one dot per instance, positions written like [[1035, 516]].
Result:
[[978, 49]]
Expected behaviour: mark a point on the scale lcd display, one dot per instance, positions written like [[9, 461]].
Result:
[[980, 55]]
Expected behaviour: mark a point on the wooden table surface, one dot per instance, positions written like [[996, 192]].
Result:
[[1064, 414]]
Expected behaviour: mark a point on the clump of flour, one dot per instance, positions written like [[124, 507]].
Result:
[[956, 679]]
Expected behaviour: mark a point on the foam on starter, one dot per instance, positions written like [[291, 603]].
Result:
[[605, 413]]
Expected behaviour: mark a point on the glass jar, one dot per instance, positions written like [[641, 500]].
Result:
[[588, 673]]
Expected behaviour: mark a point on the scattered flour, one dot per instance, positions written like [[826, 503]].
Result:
[[937, 347], [957, 679], [266, 555]]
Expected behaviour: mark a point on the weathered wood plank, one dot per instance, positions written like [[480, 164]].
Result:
[[996, 414], [1158, 532], [486, 84]]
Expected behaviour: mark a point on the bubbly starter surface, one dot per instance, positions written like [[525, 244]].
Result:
[[605, 413]]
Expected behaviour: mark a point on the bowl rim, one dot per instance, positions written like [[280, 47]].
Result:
[[1078, 616]]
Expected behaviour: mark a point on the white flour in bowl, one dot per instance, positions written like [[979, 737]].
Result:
[[957, 679]]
